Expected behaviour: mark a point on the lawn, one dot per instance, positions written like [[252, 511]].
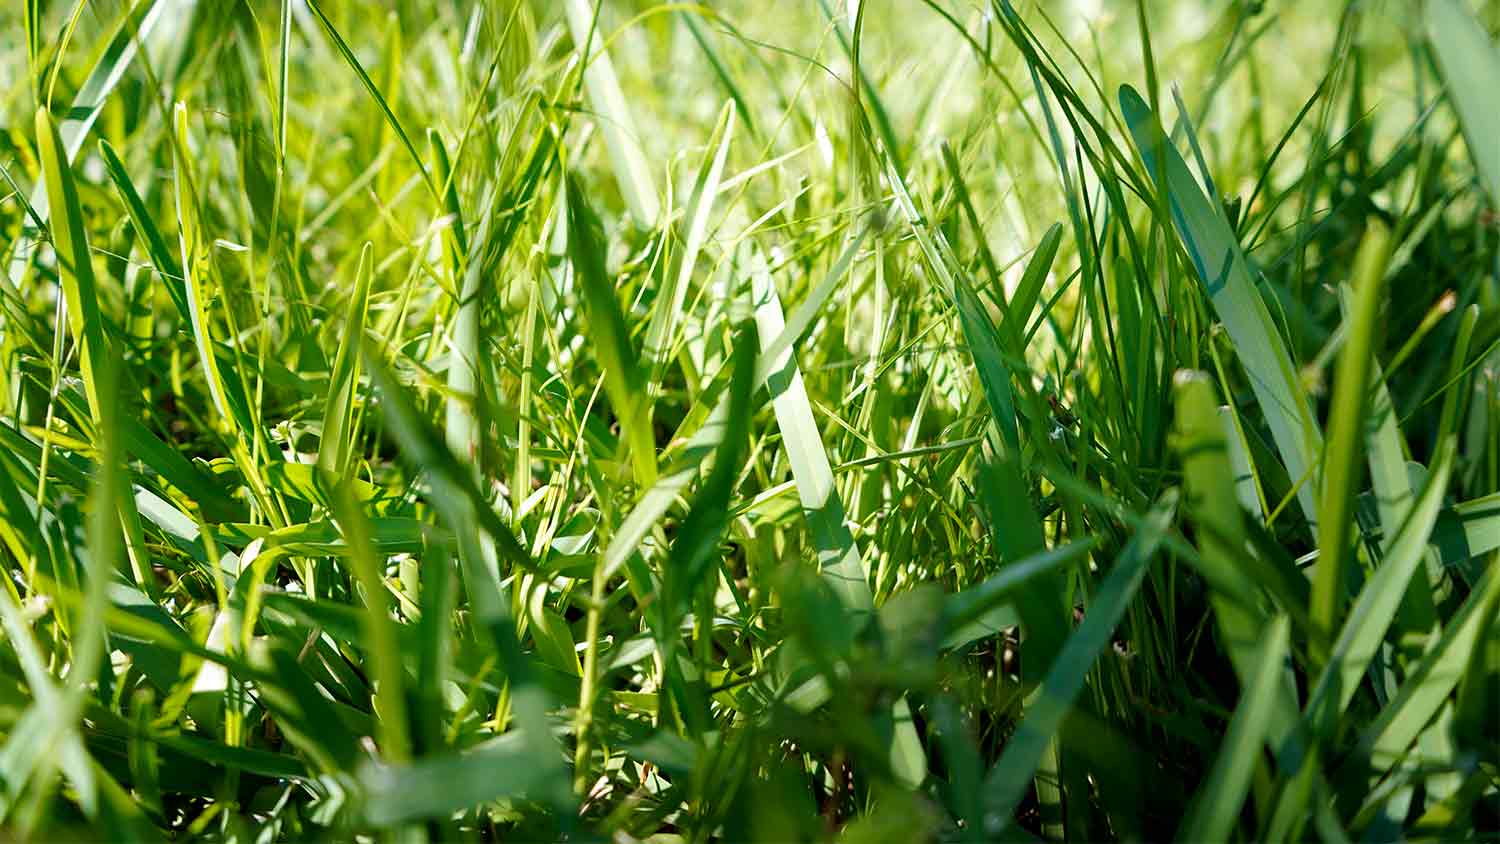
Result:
[[774, 420]]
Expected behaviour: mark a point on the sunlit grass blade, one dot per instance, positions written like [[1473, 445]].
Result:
[[86, 322], [1225, 275], [1346, 428], [661, 333], [1470, 63], [374, 91], [838, 556], [616, 121], [624, 381], [337, 442]]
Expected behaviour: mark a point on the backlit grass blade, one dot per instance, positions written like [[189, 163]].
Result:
[[1346, 428], [84, 111], [337, 443], [86, 320], [1470, 64], [198, 274], [379, 630], [621, 138], [375, 94], [661, 333], [838, 556], [1008, 780], [162, 260], [1226, 277]]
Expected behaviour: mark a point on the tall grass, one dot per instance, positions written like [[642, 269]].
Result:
[[795, 421]]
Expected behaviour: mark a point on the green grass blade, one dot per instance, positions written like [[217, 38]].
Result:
[[1346, 428], [838, 556], [624, 381], [1431, 680], [374, 91], [616, 121], [1375, 608], [661, 333], [1470, 64], [1007, 781], [1225, 274], [1216, 806], [338, 441]]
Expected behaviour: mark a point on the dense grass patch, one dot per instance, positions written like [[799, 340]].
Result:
[[923, 420]]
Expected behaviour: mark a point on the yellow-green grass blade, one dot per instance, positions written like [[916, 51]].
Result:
[[1346, 428], [375, 93], [662, 331], [616, 121], [339, 436], [162, 261], [624, 380], [197, 268], [158, 25], [86, 321], [379, 630], [459, 501]]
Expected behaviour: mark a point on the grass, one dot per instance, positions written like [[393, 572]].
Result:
[[799, 421]]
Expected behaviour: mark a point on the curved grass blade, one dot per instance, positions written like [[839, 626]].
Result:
[[86, 322]]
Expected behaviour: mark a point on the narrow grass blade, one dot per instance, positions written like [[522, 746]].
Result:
[[379, 631], [838, 556], [374, 92], [84, 111], [1346, 428], [1432, 679], [1375, 608], [1217, 804], [624, 381], [661, 333], [1008, 780], [86, 320], [1225, 274], [338, 440]]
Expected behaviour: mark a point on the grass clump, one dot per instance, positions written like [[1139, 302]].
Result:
[[655, 421]]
